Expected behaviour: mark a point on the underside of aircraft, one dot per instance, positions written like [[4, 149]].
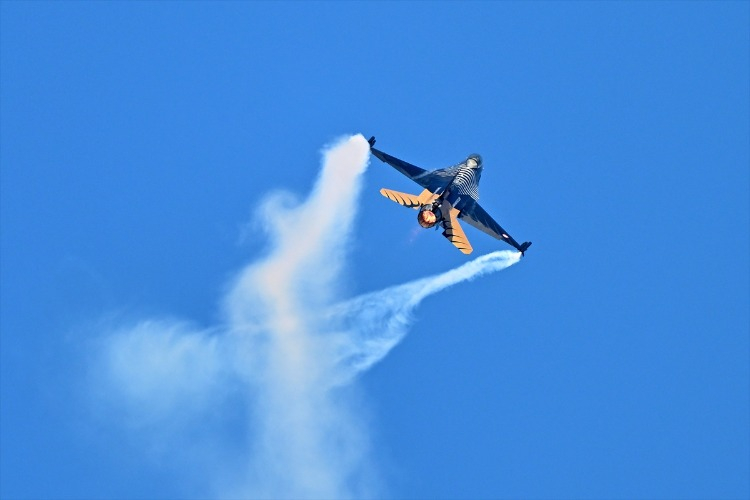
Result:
[[449, 194]]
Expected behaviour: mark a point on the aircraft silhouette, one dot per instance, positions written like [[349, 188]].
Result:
[[449, 194]]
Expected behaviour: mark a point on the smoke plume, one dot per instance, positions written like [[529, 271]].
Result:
[[287, 352]]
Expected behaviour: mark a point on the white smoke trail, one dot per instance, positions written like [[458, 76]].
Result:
[[296, 457], [287, 344], [374, 323]]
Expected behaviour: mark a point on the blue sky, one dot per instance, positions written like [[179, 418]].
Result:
[[613, 361]]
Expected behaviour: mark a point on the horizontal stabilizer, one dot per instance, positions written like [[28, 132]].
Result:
[[426, 197], [523, 247], [455, 233], [405, 199]]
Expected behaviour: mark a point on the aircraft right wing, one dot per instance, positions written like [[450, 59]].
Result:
[[474, 214]]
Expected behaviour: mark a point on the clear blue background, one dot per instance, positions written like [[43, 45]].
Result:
[[613, 361]]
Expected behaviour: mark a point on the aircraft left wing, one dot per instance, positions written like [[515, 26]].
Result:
[[474, 214], [433, 181], [411, 171]]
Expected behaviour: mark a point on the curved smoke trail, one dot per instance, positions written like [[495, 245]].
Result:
[[376, 322], [306, 440]]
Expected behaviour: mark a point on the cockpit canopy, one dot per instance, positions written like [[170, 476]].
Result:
[[474, 161]]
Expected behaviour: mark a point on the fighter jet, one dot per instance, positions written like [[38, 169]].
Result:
[[449, 194]]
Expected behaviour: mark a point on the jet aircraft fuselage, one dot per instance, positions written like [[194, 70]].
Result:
[[449, 194]]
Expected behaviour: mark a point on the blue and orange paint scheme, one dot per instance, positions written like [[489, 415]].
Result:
[[450, 194]]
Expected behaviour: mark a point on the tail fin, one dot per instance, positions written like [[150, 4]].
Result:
[[523, 247]]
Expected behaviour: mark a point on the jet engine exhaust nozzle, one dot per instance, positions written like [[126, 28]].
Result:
[[428, 217]]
